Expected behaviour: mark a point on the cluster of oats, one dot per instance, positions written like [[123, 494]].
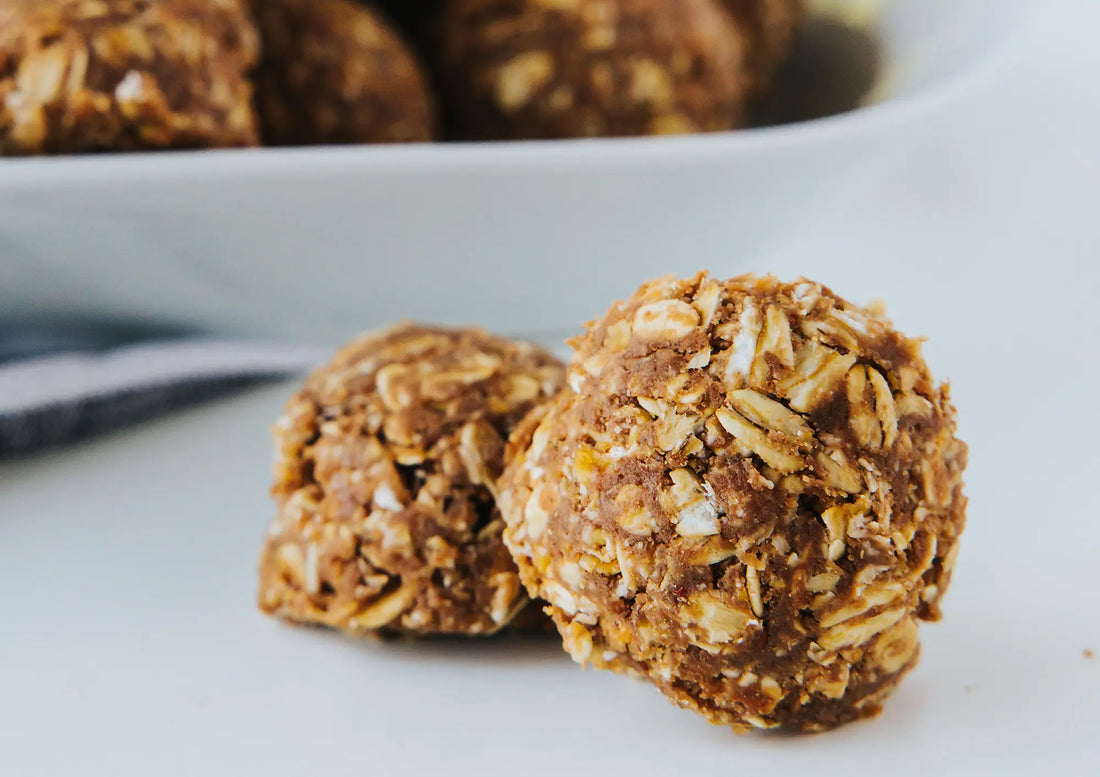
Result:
[[112, 75], [115, 75], [92, 75], [545, 68], [749, 493], [386, 473], [334, 71]]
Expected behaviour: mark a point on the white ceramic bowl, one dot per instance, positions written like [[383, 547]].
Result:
[[518, 237]]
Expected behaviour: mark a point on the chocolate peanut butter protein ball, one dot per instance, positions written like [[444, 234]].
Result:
[[385, 479], [513, 69], [334, 71], [749, 493], [106, 75]]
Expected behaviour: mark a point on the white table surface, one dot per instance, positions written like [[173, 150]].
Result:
[[129, 643]]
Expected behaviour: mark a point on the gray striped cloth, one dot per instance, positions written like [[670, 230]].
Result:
[[52, 393]]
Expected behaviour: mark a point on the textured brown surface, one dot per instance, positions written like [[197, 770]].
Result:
[[385, 479], [572, 68], [750, 494], [769, 26], [335, 72], [98, 75]]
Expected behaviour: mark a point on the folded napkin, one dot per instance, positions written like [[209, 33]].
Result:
[[61, 396]]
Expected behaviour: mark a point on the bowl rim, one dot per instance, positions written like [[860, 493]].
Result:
[[924, 101]]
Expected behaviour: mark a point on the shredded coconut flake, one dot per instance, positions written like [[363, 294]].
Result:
[[385, 498], [130, 87], [743, 348], [698, 519], [854, 320]]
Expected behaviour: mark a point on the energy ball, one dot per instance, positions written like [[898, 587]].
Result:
[[750, 493], [105, 75], [336, 72], [386, 465], [513, 69], [769, 26]]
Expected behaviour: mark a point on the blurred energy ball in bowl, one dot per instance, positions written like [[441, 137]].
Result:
[[524, 237]]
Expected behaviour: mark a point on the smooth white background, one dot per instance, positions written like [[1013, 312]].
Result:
[[129, 643]]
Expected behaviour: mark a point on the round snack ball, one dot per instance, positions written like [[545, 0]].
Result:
[[104, 75], [769, 26], [512, 69], [385, 478], [750, 493], [335, 72]]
